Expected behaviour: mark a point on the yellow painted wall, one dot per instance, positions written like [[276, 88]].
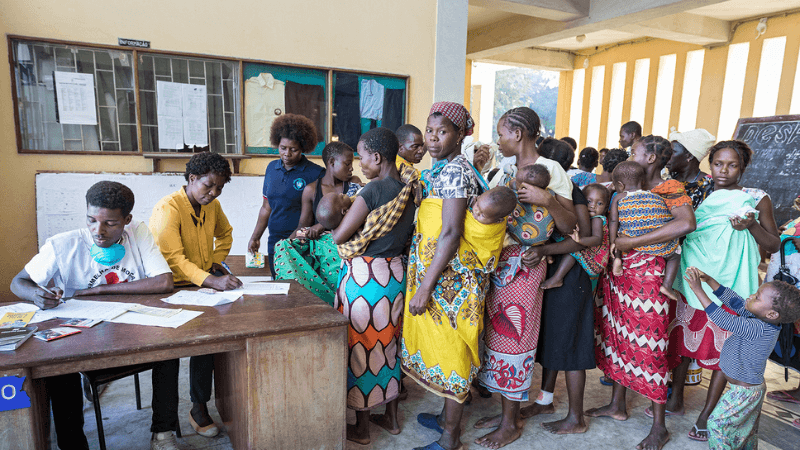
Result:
[[712, 79], [379, 35]]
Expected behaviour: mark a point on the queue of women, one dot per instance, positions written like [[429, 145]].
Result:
[[471, 301]]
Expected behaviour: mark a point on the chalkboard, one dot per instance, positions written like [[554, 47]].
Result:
[[775, 167], [61, 201]]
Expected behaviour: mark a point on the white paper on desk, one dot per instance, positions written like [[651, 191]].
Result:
[[75, 96], [175, 321], [263, 288], [254, 279], [81, 309], [18, 307], [199, 299]]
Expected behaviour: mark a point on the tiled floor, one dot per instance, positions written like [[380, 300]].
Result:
[[127, 428]]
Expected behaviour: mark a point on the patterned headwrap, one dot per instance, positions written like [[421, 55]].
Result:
[[457, 114]]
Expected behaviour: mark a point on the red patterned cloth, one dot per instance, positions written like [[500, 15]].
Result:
[[673, 193], [457, 114], [693, 335], [631, 321], [513, 315]]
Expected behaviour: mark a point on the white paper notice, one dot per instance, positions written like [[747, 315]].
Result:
[[170, 114], [263, 288], [195, 115], [199, 299], [82, 309], [76, 100], [174, 321]]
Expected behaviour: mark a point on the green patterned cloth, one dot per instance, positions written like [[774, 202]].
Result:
[[313, 263]]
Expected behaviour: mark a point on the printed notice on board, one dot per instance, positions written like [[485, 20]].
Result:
[[76, 100], [182, 115], [169, 107], [195, 115]]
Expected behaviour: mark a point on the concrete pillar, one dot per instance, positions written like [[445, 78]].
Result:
[[451, 50]]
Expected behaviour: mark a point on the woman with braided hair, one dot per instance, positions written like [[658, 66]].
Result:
[[632, 316], [514, 302]]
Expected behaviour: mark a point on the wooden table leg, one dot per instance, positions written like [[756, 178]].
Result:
[[286, 391], [27, 428]]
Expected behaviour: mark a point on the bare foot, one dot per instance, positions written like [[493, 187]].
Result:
[[668, 292], [499, 437], [608, 411], [655, 440], [551, 283], [535, 409], [489, 422], [565, 426], [354, 435], [382, 420]]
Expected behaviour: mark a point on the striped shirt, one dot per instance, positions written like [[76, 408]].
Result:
[[744, 354]]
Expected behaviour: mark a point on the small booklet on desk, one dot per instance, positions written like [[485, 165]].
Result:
[[56, 333], [81, 323], [16, 319], [12, 337]]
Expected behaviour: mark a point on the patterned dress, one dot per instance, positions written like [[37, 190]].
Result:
[[632, 317], [440, 346], [711, 248], [514, 307], [641, 212], [584, 178]]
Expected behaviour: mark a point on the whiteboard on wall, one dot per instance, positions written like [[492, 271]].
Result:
[[61, 201]]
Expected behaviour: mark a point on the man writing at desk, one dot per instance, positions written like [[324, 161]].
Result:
[[112, 255]]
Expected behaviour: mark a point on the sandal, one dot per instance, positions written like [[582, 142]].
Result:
[[429, 421], [796, 423], [782, 396], [649, 413], [695, 434]]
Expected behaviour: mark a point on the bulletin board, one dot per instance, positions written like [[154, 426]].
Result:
[[61, 200]]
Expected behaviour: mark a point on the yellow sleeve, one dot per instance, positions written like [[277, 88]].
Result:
[[165, 224], [223, 237]]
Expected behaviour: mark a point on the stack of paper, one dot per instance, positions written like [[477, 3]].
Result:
[[82, 309], [263, 288], [200, 299]]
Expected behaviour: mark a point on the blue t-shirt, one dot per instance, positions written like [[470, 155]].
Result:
[[284, 190]]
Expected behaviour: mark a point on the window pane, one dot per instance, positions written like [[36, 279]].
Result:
[[180, 71], [105, 89], [126, 105], [103, 60], [127, 138], [123, 72], [146, 79], [213, 78]]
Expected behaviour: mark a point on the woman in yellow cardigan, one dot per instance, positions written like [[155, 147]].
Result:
[[195, 237]]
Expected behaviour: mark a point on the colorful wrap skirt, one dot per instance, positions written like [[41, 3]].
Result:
[[313, 263], [440, 346], [371, 295], [734, 422], [512, 330], [631, 334]]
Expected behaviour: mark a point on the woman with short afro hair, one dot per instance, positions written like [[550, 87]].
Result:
[[284, 181]]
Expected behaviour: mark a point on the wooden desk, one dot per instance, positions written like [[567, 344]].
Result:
[[281, 363]]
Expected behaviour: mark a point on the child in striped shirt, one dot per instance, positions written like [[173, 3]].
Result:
[[734, 421]]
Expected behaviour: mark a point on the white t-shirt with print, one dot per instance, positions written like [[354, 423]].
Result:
[[66, 259]]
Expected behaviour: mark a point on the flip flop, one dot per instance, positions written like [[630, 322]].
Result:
[[605, 382], [694, 434], [429, 421], [649, 413], [782, 396]]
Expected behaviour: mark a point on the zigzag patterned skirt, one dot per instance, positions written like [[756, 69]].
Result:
[[632, 318], [371, 294]]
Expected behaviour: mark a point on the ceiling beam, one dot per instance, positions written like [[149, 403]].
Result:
[[535, 58], [684, 27], [524, 32], [545, 9]]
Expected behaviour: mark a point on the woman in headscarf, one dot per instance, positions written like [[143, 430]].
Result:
[[688, 149], [452, 257]]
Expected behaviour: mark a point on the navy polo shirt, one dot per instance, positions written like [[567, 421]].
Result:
[[284, 190]]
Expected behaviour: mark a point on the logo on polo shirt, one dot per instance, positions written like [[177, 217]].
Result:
[[299, 184]]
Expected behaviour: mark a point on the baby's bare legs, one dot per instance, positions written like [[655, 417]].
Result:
[[670, 272], [557, 280]]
